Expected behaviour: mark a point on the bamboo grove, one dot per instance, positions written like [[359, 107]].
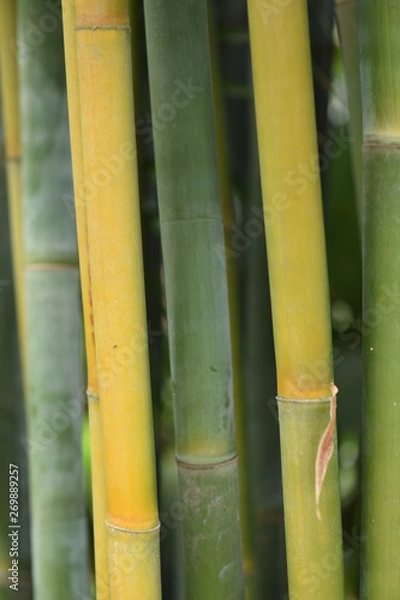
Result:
[[199, 299]]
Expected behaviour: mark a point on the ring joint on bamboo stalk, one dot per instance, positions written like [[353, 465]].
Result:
[[325, 400], [210, 465], [132, 531]]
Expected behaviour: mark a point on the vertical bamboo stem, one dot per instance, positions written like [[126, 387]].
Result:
[[378, 30], [11, 119], [249, 563], [197, 298], [12, 426], [96, 437], [346, 18], [116, 267], [299, 293], [53, 320]]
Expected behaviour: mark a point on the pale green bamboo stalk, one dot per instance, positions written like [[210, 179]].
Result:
[[53, 317], [346, 19], [197, 299], [378, 30]]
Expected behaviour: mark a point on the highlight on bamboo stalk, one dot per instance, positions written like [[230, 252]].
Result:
[[299, 292], [115, 255], [378, 27], [197, 298], [96, 436], [53, 319]]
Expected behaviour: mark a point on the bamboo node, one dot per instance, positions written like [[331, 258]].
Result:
[[149, 531]]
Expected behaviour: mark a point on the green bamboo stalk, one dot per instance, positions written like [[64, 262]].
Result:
[[197, 300], [378, 29], [300, 302], [53, 315], [246, 524], [12, 422], [346, 19]]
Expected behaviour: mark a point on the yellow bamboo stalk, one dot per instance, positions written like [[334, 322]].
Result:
[[116, 267], [11, 119], [286, 132], [96, 442]]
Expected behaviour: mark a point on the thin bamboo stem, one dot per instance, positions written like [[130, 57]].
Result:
[[53, 316], [116, 267], [246, 525], [197, 298], [378, 27], [299, 293], [96, 438], [346, 18], [11, 118], [12, 428]]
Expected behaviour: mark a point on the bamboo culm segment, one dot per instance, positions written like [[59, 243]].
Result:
[[53, 319], [116, 268], [281, 64], [381, 419], [196, 289], [314, 566], [96, 436], [378, 27]]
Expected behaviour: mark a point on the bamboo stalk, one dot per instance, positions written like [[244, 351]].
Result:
[[11, 118], [378, 27], [53, 322], [346, 18], [260, 386], [96, 437], [197, 298], [299, 293], [116, 267], [12, 427], [246, 525]]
